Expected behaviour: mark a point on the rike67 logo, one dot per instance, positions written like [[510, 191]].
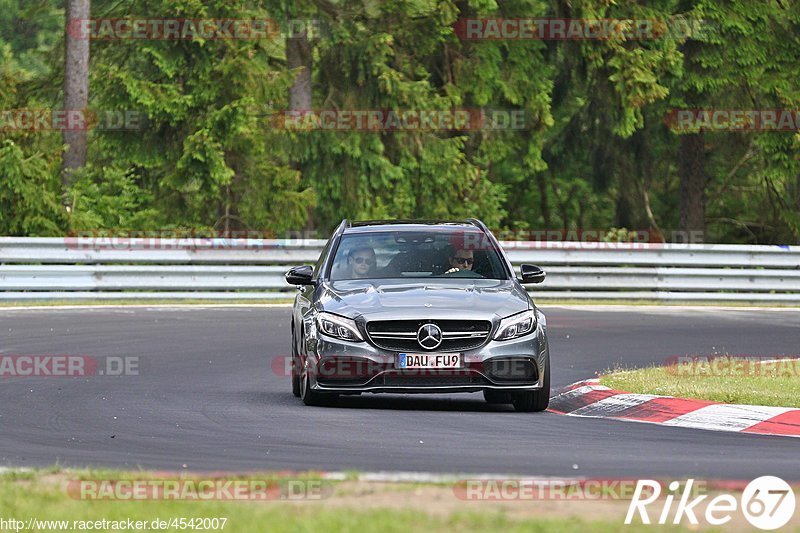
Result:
[[767, 502]]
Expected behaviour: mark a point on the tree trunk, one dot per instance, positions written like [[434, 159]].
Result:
[[76, 92], [693, 182], [298, 56], [544, 206], [796, 230], [691, 155]]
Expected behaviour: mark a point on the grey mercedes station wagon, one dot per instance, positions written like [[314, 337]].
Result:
[[417, 307]]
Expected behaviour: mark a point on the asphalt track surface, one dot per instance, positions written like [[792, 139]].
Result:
[[207, 398]]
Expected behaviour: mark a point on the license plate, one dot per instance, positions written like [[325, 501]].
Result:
[[429, 360]]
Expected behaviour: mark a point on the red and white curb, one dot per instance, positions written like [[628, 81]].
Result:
[[590, 399]]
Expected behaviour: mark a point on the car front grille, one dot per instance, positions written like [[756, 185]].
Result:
[[401, 335]]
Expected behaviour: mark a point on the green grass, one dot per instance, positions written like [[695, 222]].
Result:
[[42, 495], [719, 379]]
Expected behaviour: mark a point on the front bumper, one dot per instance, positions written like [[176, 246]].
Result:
[[344, 367]]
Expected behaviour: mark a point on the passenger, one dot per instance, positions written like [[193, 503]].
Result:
[[361, 262]]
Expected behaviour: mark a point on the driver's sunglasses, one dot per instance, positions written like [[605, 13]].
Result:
[[366, 260], [463, 260]]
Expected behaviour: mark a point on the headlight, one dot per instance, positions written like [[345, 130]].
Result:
[[515, 326], [338, 327]]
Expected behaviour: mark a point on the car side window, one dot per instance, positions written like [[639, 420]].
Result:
[[321, 260]]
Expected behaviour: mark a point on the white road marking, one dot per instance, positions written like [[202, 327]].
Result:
[[727, 417], [579, 391], [613, 404]]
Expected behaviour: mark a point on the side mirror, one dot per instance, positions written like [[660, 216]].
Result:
[[300, 275], [531, 274]]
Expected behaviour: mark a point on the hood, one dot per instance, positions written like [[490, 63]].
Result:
[[439, 298]]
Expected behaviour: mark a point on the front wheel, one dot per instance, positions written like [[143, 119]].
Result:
[[295, 369], [536, 400], [312, 397], [497, 396]]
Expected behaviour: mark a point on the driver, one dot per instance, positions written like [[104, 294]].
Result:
[[360, 262], [461, 260]]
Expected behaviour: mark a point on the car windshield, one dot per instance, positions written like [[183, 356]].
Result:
[[412, 254]]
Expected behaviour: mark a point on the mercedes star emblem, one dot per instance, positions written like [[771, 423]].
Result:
[[429, 336]]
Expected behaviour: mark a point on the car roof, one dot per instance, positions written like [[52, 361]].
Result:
[[371, 226]]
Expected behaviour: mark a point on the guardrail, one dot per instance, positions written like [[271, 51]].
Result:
[[79, 268]]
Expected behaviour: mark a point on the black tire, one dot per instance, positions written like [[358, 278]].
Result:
[[312, 397], [538, 400], [295, 369], [497, 396], [295, 377]]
